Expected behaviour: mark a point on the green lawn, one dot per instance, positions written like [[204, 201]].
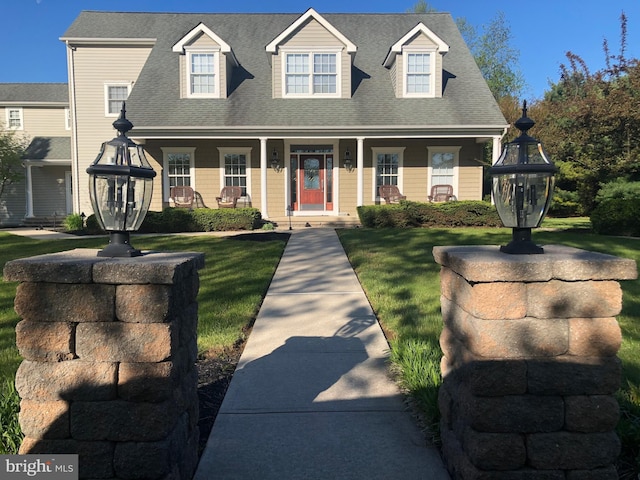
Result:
[[401, 279], [233, 282], [399, 275]]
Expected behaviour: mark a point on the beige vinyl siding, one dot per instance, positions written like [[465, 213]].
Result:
[[276, 201], [13, 204], [313, 37], [45, 122], [49, 191], [276, 75], [93, 67], [393, 73], [348, 188], [470, 183], [415, 172]]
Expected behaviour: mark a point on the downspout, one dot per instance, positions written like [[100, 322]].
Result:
[[75, 161], [29, 190], [263, 177]]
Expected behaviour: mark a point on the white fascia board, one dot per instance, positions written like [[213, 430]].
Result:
[[76, 41], [197, 30], [311, 13], [31, 103], [442, 46]]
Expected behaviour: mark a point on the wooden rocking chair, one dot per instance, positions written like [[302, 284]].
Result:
[[390, 193], [442, 193], [229, 197], [182, 196]]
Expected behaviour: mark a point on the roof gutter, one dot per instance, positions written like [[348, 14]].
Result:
[[441, 131]]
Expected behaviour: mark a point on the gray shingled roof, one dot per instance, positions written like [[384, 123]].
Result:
[[26, 93], [49, 148], [154, 101]]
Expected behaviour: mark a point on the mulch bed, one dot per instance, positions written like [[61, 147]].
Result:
[[214, 376]]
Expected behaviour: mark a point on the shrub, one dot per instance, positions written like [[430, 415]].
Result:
[[619, 188], [169, 220], [617, 216], [10, 432], [92, 227], [565, 204], [417, 214], [73, 222], [226, 219], [176, 220]]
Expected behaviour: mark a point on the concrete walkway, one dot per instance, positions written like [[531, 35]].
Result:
[[310, 398]]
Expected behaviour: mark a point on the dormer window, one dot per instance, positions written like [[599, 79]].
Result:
[[415, 63], [206, 64], [418, 79], [202, 74], [311, 74], [311, 59]]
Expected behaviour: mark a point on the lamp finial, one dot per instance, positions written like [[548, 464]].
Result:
[[122, 124]]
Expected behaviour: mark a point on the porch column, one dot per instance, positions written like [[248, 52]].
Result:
[[29, 191], [496, 150], [263, 177], [360, 170]]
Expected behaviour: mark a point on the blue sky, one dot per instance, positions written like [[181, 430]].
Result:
[[542, 31]]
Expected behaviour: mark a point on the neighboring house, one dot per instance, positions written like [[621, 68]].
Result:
[[275, 103], [39, 112]]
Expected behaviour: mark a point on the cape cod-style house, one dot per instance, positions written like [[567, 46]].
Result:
[[308, 113]]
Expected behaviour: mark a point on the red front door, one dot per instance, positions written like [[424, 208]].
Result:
[[311, 180]]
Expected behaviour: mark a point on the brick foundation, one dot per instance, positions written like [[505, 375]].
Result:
[[529, 366], [109, 348]]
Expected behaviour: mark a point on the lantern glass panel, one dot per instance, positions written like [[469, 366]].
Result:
[[522, 200]]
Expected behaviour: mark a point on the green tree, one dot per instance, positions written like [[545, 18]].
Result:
[[589, 122], [12, 148], [491, 47], [421, 7], [495, 56]]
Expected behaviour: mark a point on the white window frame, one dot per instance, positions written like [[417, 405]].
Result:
[[375, 151], [432, 72], [311, 52], [189, 52], [166, 151], [107, 86], [455, 150], [246, 151], [20, 118]]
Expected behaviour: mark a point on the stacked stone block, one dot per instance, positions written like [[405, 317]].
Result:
[[529, 366], [109, 370]]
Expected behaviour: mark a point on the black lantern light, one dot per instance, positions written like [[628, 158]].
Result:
[[275, 161], [120, 186], [523, 180], [348, 163]]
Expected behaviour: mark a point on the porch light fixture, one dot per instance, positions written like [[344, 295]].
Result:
[[348, 163], [120, 187], [523, 180], [275, 162]]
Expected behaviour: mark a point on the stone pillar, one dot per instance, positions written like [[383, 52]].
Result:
[[530, 367], [109, 370]]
